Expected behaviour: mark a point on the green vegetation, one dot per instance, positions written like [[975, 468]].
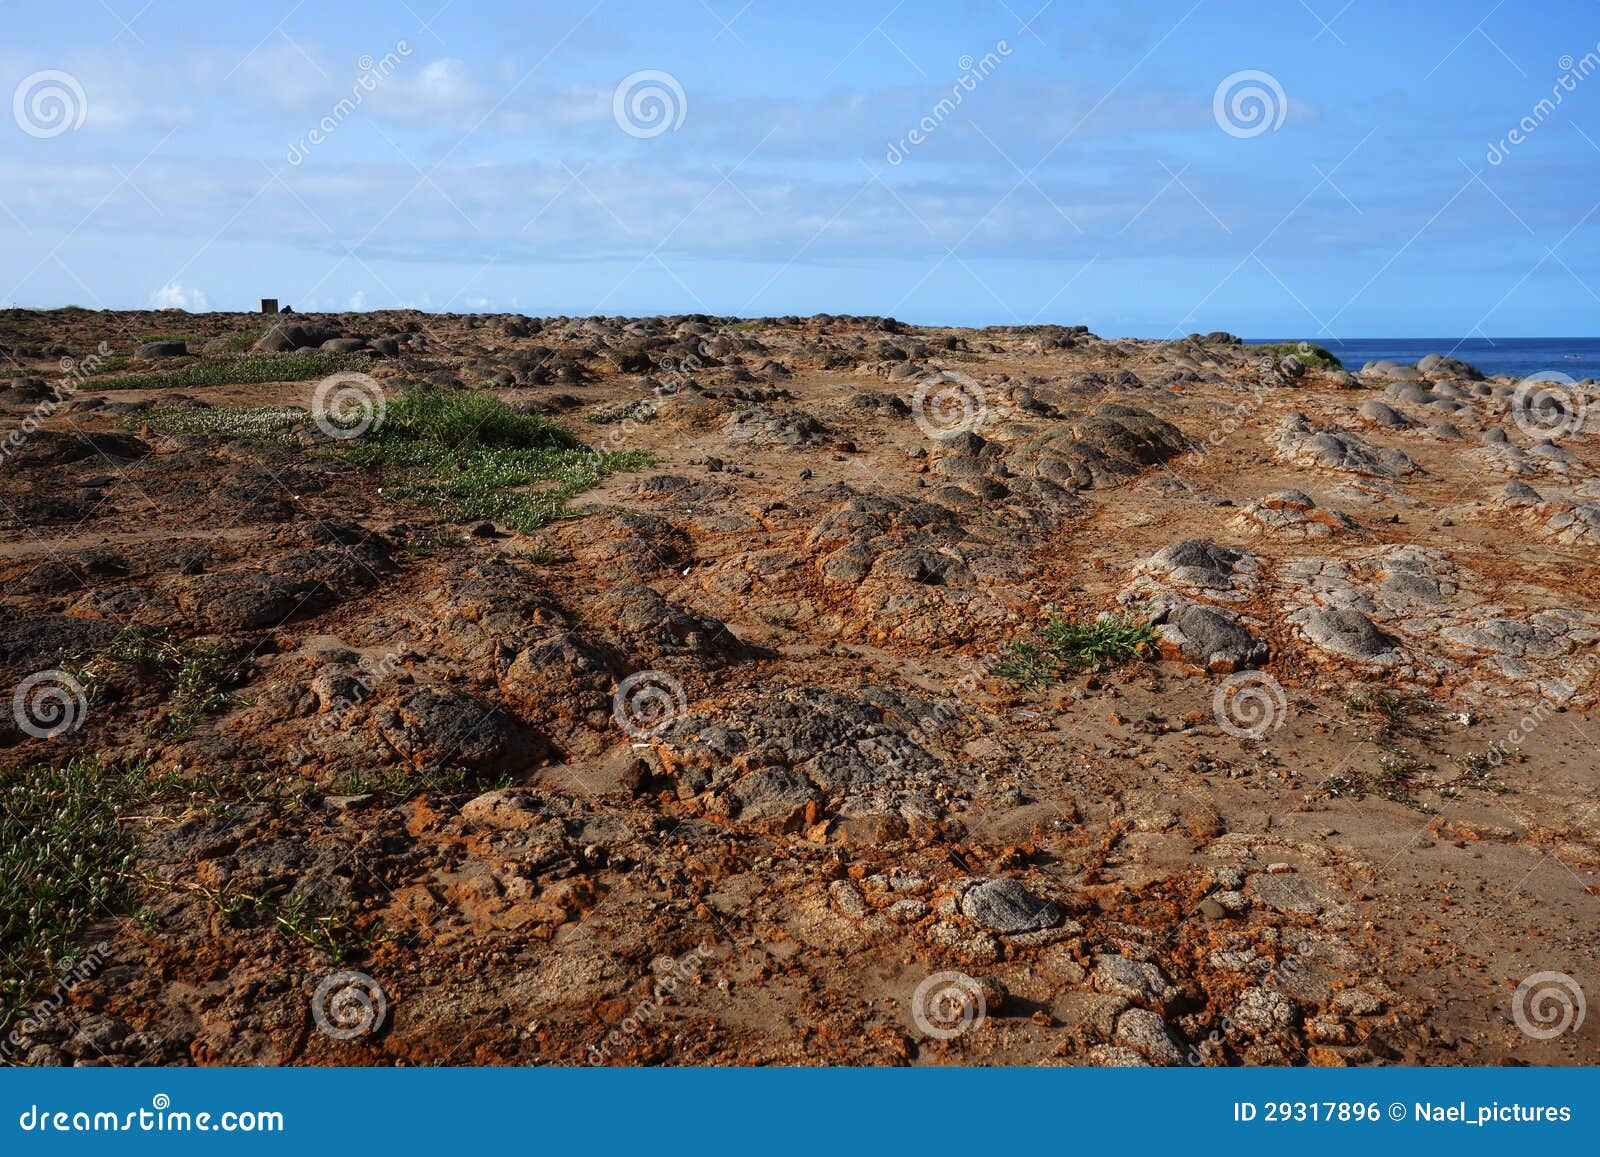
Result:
[[243, 423], [471, 456], [239, 371], [1068, 645], [640, 411], [397, 784], [1394, 780], [65, 858], [1314, 357], [195, 678]]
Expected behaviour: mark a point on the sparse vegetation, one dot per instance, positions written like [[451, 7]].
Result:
[[195, 678], [472, 456], [65, 855], [238, 371], [1312, 356], [249, 423], [1066, 645], [640, 411]]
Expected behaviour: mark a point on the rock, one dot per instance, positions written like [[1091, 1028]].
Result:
[[1261, 1011], [1005, 906], [1151, 1036], [1440, 366], [1117, 975], [1212, 638], [1376, 411], [151, 350], [1347, 632], [1116, 1057]]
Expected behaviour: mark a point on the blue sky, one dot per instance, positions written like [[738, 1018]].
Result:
[[1087, 174]]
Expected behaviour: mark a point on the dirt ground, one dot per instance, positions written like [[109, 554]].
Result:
[[732, 765]]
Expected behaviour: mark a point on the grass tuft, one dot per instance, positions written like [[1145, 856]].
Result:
[[1067, 645]]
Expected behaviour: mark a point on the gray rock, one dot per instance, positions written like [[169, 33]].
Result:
[[1005, 906], [1132, 979], [1347, 632], [1518, 494], [1440, 366], [1150, 1035], [1213, 638], [1384, 415]]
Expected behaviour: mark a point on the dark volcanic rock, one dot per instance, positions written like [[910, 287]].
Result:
[[1005, 906]]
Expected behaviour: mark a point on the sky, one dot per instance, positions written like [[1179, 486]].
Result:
[[1319, 169]]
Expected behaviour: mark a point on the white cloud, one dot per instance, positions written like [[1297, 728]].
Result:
[[173, 295]]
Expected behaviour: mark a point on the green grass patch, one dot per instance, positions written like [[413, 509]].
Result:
[[239, 372], [1314, 357], [242, 423], [65, 862], [471, 456], [1065, 645]]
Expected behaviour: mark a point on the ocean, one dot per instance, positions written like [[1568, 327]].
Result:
[[1577, 357]]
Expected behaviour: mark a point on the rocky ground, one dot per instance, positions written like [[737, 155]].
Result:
[[761, 743]]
